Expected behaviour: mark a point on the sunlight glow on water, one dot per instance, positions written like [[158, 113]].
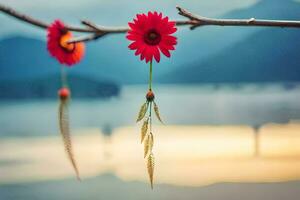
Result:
[[209, 137], [185, 155]]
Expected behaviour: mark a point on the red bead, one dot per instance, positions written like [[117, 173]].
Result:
[[64, 93]]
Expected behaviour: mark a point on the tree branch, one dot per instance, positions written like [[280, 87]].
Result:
[[102, 31], [95, 30], [202, 21], [193, 21]]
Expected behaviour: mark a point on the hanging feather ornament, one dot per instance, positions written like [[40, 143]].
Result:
[[150, 34], [64, 127], [67, 54], [147, 138]]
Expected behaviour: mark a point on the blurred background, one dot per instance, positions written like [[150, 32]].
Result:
[[229, 97]]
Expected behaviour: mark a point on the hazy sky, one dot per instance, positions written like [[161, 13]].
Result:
[[215, 7]]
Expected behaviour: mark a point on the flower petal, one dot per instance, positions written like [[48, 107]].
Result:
[[134, 45], [169, 39], [165, 51], [156, 54]]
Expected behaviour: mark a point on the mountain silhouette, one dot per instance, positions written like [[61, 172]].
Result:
[[46, 87], [264, 55], [267, 56], [109, 59]]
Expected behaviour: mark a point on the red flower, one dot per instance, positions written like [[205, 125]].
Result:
[[57, 37], [150, 34]]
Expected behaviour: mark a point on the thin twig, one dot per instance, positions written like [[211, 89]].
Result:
[[100, 31], [202, 21]]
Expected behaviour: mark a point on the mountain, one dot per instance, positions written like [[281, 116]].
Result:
[[108, 59], [270, 55], [197, 45], [46, 87], [271, 9], [22, 57]]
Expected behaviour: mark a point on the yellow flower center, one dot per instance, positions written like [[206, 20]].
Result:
[[64, 42]]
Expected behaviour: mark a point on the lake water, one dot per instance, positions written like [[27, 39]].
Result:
[[206, 151], [248, 104]]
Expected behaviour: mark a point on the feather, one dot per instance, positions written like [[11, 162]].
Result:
[[157, 112], [150, 167], [144, 129], [142, 112], [148, 145], [65, 132]]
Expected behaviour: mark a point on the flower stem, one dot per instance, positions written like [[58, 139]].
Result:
[[150, 76], [63, 77]]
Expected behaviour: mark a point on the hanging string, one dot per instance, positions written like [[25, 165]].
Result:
[[63, 74], [150, 89], [150, 76]]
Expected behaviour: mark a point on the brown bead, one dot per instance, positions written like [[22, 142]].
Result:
[[150, 96]]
